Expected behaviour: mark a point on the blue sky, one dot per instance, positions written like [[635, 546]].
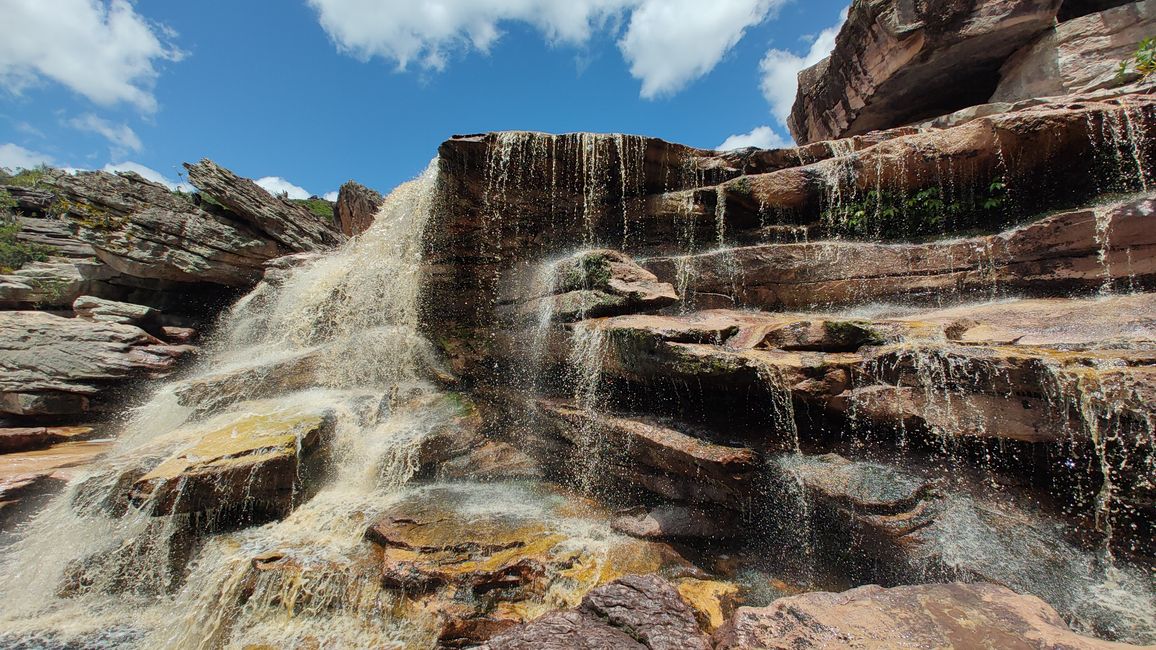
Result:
[[310, 93]]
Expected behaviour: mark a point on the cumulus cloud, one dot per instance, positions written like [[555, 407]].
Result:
[[147, 173], [13, 156], [102, 50], [427, 33], [667, 43], [670, 43], [121, 136], [763, 137], [780, 69], [330, 196], [276, 185]]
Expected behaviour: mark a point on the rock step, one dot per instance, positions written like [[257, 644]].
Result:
[[1081, 250]]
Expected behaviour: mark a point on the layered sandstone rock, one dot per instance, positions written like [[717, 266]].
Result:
[[254, 462], [948, 615], [1080, 250], [897, 63], [143, 230], [64, 366], [290, 225], [1077, 56]]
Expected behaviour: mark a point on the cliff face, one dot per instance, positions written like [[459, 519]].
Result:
[[919, 348]]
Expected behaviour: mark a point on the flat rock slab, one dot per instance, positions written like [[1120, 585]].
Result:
[[51, 365], [922, 616], [254, 460], [32, 438]]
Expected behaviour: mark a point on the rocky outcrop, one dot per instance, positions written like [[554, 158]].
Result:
[[1076, 56], [54, 285], [61, 366], [356, 207], [897, 63], [591, 284], [644, 612], [507, 558], [932, 616], [290, 225], [657, 458], [53, 234], [143, 230], [251, 463], [1076, 251]]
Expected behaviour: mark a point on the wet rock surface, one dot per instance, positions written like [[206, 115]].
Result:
[[251, 461], [632, 612]]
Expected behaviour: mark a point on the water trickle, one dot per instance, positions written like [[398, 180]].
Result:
[[588, 350]]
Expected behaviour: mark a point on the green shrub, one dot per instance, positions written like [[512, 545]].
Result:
[[320, 207], [24, 177], [1143, 61], [891, 214], [13, 252]]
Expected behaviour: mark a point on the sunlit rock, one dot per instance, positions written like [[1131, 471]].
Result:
[[251, 461], [949, 615]]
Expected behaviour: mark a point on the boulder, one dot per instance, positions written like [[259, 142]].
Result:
[[593, 284], [65, 366], [111, 311], [897, 63], [143, 230], [356, 207], [1077, 56], [644, 612], [678, 522], [290, 225], [255, 462], [922, 616]]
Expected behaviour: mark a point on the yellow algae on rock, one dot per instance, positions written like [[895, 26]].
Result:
[[251, 460]]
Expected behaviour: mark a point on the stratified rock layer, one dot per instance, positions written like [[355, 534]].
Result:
[[896, 63]]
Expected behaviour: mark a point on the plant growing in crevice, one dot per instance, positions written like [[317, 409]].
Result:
[[1142, 63], [927, 211]]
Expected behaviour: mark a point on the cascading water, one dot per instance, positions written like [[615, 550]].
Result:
[[353, 315]]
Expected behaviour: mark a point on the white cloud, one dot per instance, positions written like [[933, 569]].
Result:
[[102, 50], [122, 137], [763, 137], [13, 156], [428, 32], [330, 196], [147, 173], [670, 43], [667, 43], [780, 69], [275, 185]]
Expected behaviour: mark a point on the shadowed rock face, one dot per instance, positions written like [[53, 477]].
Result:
[[1076, 56], [895, 63], [925, 616]]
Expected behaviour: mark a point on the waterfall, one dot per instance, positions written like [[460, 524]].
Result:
[[349, 321]]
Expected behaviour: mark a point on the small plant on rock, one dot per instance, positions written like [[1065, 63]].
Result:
[[1142, 63]]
